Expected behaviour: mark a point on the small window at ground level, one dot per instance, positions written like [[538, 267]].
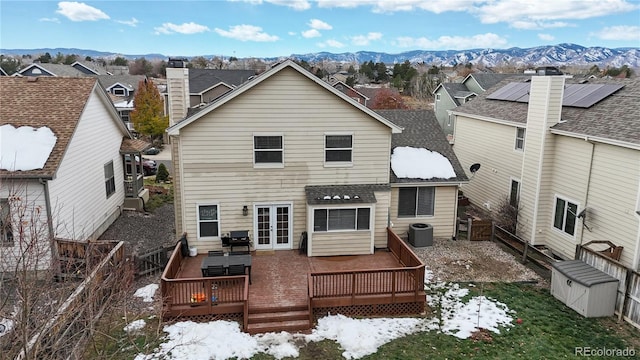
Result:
[[341, 219], [565, 216], [208, 221], [109, 180], [416, 201]]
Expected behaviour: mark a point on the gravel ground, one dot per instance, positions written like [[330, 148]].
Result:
[[479, 261], [144, 231]]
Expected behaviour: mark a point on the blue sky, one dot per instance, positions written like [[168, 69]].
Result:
[[265, 28]]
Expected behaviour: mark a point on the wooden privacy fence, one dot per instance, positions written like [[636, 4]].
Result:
[[480, 230], [628, 299], [151, 261], [74, 259], [64, 334]]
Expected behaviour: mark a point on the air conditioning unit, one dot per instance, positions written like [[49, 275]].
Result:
[[420, 235]]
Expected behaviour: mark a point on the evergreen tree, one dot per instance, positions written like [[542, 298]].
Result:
[[162, 174], [147, 116]]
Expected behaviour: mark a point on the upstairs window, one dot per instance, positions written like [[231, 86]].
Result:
[[416, 201], [565, 215], [520, 132], [267, 149], [109, 180], [338, 148]]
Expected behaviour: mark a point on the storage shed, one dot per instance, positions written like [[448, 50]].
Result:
[[585, 289]]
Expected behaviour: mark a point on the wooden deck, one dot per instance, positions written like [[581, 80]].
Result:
[[289, 291]]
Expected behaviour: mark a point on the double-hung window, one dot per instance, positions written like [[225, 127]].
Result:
[[6, 233], [208, 221], [109, 179], [341, 219], [268, 150], [565, 214], [416, 201], [338, 149], [520, 133]]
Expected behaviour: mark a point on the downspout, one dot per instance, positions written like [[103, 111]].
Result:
[[47, 202], [586, 194]]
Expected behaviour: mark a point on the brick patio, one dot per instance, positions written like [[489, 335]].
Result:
[[279, 278]]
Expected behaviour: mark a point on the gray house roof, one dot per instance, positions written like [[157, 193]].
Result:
[[455, 90], [202, 79], [130, 81], [421, 130], [613, 118], [54, 69], [487, 80]]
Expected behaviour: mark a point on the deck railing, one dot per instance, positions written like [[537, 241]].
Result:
[[202, 296], [132, 187], [359, 284]]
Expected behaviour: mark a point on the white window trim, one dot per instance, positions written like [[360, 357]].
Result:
[[337, 163], [416, 215], [515, 143], [113, 176], [438, 97], [564, 220], [207, 203], [371, 218], [253, 153], [118, 91]]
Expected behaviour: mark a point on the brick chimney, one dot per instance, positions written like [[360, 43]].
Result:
[[177, 90], [544, 111]]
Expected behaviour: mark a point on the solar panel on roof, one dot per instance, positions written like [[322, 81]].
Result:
[[510, 92]]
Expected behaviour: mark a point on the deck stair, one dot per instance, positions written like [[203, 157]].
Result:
[[276, 319]]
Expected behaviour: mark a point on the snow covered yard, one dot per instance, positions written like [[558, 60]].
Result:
[[455, 313]]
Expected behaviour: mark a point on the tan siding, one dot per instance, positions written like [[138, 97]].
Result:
[[492, 146], [612, 199], [177, 185], [217, 151], [383, 199], [341, 243], [443, 219], [81, 209]]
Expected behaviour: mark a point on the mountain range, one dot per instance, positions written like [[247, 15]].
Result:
[[553, 55]]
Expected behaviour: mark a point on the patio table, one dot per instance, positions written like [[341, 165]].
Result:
[[226, 261]]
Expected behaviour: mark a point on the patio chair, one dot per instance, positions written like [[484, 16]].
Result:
[[236, 270], [215, 270], [241, 252], [215, 253]]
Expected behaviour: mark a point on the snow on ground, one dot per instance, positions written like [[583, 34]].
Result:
[[135, 325], [5, 326], [146, 292], [357, 337]]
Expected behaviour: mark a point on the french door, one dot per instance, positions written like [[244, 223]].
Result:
[[273, 225]]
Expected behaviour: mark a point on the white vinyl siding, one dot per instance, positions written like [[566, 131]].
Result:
[[81, 211], [217, 152]]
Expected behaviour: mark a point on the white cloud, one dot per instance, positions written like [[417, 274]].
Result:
[[488, 40], [186, 28], [76, 11], [619, 32], [311, 33], [390, 6], [292, 33], [363, 40], [53, 20], [546, 37], [247, 33], [331, 43], [133, 22], [537, 25], [294, 4], [319, 25]]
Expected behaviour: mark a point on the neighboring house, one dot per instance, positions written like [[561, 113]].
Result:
[[566, 153], [2, 72], [47, 69], [351, 92], [450, 95], [90, 68], [432, 199], [206, 85], [264, 158], [67, 164], [122, 90]]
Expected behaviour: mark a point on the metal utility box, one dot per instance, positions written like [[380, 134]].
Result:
[[585, 289], [420, 235]]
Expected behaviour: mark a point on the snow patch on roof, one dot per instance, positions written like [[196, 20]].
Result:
[[420, 163], [25, 148]]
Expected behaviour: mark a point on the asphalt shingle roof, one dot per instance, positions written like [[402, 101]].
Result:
[[54, 102], [106, 81], [421, 130], [203, 79], [614, 118], [487, 80], [358, 194], [61, 70]]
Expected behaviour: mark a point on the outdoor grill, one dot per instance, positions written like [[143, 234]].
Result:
[[237, 238]]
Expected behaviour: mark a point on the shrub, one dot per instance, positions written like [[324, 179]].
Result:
[[162, 174]]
